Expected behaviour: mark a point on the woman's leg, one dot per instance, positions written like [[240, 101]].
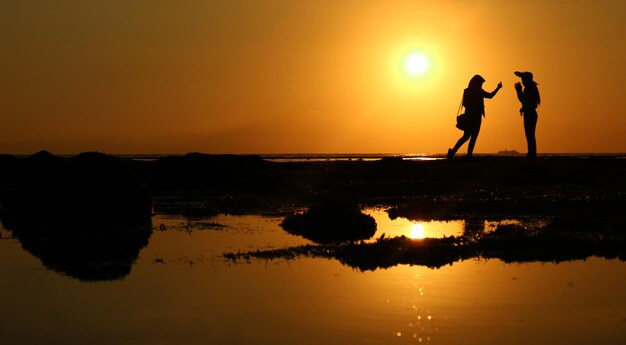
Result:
[[474, 136], [459, 143]]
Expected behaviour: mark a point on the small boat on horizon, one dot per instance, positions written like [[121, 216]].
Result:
[[508, 153]]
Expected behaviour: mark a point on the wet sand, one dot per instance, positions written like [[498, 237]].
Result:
[[486, 186], [204, 185]]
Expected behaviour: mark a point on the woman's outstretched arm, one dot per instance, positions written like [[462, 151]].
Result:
[[492, 93]]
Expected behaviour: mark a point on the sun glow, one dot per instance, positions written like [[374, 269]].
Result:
[[417, 231], [416, 64], [416, 70]]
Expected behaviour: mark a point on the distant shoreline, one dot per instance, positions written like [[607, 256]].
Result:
[[330, 157]]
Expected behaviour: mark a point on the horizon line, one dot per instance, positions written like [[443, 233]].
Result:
[[322, 154]]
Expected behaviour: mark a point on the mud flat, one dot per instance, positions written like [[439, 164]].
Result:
[[199, 184]]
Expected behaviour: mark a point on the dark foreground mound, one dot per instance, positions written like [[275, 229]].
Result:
[[331, 223], [91, 188]]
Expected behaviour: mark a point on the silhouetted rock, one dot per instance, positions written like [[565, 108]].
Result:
[[213, 174], [44, 157], [391, 160], [88, 189], [331, 223], [10, 170], [8, 160]]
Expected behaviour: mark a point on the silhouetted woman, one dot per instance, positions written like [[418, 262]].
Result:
[[474, 103], [530, 99]]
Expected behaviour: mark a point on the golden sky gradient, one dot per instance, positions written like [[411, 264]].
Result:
[[269, 76]]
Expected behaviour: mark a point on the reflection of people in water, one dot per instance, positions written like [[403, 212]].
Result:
[[473, 101], [473, 227], [530, 99]]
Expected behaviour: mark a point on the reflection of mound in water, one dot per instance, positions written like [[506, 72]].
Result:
[[86, 217], [509, 243], [331, 224], [87, 254]]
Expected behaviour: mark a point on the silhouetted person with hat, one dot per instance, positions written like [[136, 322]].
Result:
[[474, 103], [530, 99]]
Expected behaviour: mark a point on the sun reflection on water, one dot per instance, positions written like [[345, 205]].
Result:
[[413, 229], [417, 231]]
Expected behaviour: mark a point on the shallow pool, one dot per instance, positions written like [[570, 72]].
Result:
[[182, 291]]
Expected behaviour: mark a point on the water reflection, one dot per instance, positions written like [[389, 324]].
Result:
[[400, 226], [390, 224], [507, 240], [90, 253], [417, 231], [473, 301], [474, 228], [88, 249]]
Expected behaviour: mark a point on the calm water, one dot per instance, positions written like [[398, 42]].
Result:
[[181, 291]]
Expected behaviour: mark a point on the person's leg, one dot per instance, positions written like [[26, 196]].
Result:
[[530, 124], [472, 142], [459, 143]]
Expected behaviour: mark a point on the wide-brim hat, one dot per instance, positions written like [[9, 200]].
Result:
[[526, 76]]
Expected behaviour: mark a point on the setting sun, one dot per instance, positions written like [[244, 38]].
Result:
[[417, 231], [416, 64]]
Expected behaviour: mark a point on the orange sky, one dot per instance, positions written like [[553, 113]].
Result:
[[268, 76]]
